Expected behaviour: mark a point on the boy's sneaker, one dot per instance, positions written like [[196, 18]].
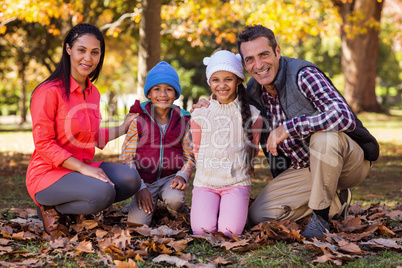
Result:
[[316, 227], [345, 196]]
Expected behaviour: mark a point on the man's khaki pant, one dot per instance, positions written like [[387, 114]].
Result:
[[336, 162]]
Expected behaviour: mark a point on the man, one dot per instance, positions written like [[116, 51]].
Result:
[[316, 147]]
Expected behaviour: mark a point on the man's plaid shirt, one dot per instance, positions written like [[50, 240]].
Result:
[[335, 115]]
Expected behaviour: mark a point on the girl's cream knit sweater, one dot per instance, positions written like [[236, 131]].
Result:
[[221, 160]]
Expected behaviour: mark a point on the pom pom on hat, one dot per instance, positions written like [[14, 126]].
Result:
[[223, 60], [162, 73]]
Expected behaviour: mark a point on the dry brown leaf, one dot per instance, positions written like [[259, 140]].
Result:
[[6, 249], [18, 236], [144, 230], [138, 258], [123, 264], [4, 241], [60, 243], [349, 247], [381, 243], [231, 245], [164, 231], [163, 249], [318, 245], [221, 261], [89, 224], [385, 231], [355, 208], [395, 215], [352, 224], [172, 260], [122, 240], [178, 246], [85, 246], [376, 216], [100, 233]]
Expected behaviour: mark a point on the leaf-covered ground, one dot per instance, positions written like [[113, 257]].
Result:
[[370, 237], [108, 240]]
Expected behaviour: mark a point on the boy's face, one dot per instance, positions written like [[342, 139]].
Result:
[[162, 95]]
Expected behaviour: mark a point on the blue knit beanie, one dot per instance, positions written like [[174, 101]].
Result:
[[162, 73]]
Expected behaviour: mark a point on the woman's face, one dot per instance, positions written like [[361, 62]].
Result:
[[224, 85], [85, 55]]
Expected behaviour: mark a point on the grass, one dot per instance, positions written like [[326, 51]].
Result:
[[383, 185]]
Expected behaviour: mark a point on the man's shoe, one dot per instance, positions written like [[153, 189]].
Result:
[[316, 227], [345, 196]]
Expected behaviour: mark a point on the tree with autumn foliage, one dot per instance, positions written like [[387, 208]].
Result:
[[141, 33]]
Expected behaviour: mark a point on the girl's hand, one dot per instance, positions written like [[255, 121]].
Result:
[[178, 183], [145, 201]]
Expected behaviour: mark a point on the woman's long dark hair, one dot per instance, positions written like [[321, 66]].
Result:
[[63, 69], [247, 125]]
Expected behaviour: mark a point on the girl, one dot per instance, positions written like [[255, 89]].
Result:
[[225, 137], [61, 179]]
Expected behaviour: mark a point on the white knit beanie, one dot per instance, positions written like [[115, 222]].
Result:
[[223, 60]]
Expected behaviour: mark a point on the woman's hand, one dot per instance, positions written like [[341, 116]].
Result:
[[87, 170], [127, 122], [96, 173], [145, 201]]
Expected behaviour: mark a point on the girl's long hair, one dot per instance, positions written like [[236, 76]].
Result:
[[63, 69], [247, 125]]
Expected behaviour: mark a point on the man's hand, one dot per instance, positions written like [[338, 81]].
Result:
[[201, 103], [145, 201], [275, 138], [178, 183]]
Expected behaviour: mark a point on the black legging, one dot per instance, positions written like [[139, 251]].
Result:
[[75, 193]]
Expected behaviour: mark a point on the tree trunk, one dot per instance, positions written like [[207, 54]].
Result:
[[21, 71], [150, 41], [360, 44]]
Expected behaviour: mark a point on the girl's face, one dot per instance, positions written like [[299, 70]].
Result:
[[84, 56], [162, 95], [224, 85]]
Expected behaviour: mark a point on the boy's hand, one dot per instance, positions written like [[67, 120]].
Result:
[[178, 183], [145, 201]]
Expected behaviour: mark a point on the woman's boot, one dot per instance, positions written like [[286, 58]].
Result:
[[51, 224]]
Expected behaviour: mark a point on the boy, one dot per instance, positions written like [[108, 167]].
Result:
[[158, 145]]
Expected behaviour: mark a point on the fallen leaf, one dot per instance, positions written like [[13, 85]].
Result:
[[172, 260], [231, 245], [382, 243], [123, 264], [85, 246], [4, 241], [349, 247], [221, 261]]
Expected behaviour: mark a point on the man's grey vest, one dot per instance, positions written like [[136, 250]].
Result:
[[295, 104]]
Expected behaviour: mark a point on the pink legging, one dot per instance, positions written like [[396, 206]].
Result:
[[219, 209]]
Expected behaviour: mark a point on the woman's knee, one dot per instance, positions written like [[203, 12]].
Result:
[[101, 198]]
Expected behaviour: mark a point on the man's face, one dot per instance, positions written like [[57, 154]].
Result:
[[260, 60]]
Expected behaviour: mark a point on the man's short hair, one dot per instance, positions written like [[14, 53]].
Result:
[[252, 32]]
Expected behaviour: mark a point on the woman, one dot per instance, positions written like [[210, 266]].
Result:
[[66, 120]]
